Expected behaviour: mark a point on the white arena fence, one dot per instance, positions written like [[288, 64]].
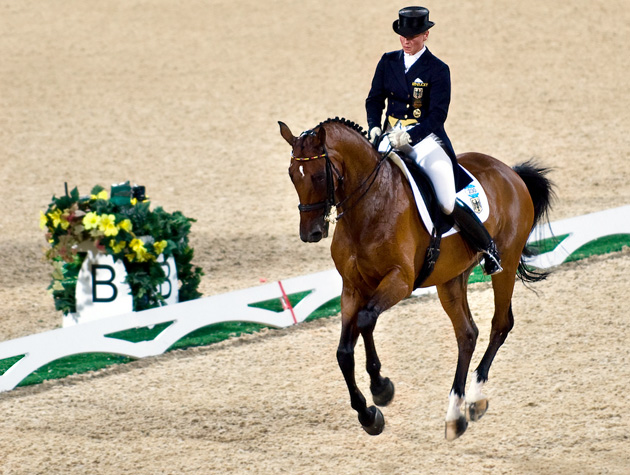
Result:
[[91, 337]]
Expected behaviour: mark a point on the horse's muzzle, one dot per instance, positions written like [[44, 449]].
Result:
[[315, 234]]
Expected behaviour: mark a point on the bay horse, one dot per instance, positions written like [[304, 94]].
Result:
[[379, 246]]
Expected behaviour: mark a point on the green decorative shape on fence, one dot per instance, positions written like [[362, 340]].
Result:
[[215, 333], [547, 245], [135, 335], [81, 363], [275, 305], [222, 331], [6, 363], [604, 245], [330, 308]]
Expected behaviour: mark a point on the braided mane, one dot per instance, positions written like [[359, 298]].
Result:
[[346, 122]]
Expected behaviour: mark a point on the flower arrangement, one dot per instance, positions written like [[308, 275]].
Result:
[[123, 226]]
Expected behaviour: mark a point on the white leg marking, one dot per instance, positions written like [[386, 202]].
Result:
[[302, 170], [454, 404], [475, 392]]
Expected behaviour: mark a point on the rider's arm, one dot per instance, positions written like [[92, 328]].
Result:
[[375, 102]]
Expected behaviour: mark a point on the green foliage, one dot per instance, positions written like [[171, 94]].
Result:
[[188, 274], [64, 282], [125, 227]]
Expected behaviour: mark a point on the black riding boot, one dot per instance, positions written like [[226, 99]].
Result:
[[477, 236]]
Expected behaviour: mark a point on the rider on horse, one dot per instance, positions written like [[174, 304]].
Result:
[[417, 88]]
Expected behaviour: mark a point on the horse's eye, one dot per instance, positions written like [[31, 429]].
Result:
[[318, 178]]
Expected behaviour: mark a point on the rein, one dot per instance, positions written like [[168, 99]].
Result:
[[373, 176], [329, 202]]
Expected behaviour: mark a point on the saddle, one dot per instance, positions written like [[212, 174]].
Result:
[[435, 221], [441, 221]]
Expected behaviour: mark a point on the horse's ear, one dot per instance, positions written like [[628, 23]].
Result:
[[286, 133], [321, 135]]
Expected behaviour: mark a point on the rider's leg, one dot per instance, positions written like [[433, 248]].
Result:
[[439, 169], [477, 236], [438, 166]]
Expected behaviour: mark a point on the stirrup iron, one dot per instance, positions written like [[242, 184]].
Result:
[[491, 260]]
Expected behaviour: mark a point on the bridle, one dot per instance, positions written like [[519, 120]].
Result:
[[329, 203]]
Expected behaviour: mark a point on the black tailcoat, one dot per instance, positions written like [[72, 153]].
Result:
[[425, 89]]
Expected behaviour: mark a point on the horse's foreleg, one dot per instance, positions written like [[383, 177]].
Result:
[[370, 418], [502, 323], [382, 389], [360, 318], [392, 289], [453, 298]]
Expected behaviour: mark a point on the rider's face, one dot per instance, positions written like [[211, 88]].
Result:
[[414, 44]]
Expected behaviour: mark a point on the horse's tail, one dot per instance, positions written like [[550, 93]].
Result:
[[541, 190]]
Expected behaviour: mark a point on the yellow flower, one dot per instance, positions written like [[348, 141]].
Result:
[[43, 221], [137, 245], [110, 230], [91, 220], [102, 195], [125, 225], [55, 216], [140, 252], [159, 247], [134, 201], [107, 224], [143, 256], [65, 224], [117, 247]]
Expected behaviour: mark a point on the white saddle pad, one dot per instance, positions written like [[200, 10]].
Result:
[[473, 195]]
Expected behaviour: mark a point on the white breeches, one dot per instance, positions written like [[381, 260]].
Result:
[[438, 166]]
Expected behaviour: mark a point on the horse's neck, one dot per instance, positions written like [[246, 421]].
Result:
[[358, 164], [368, 190]]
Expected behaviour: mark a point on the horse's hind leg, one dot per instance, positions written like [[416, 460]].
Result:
[[453, 298], [502, 323]]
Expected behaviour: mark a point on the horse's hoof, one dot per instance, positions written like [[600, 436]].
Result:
[[455, 428], [385, 395], [476, 410], [376, 427]]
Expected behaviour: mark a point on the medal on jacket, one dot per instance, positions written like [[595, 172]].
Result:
[[417, 101]]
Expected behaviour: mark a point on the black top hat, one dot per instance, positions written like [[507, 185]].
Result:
[[412, 21]]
